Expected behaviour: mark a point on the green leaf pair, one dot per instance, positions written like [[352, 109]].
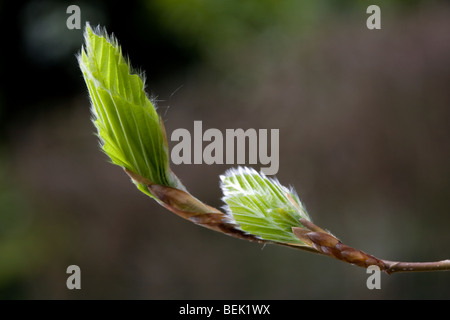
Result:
[[258, 208], [133, 136]]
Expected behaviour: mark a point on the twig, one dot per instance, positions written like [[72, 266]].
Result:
[[397, 266], [329, 245]]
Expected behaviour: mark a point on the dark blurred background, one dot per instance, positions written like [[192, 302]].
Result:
[[364, 119]]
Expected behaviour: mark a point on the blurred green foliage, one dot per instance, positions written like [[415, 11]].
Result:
[[212, 27], [18, 247], [215, 27]]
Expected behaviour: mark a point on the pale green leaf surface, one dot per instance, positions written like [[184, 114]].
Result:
[[262, 206], [128, 125]]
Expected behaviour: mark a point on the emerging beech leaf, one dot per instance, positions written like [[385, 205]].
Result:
[[262, 206], [131, 132], [258, 208]]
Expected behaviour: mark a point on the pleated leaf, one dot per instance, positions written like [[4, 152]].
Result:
[[261, 206], [130, 130]]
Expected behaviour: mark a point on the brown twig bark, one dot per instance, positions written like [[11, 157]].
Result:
[[314, 238], [397, 266], [327, 244]]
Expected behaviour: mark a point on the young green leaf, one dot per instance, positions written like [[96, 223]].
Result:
[[131, 132], [262, 206], [259, 209]]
